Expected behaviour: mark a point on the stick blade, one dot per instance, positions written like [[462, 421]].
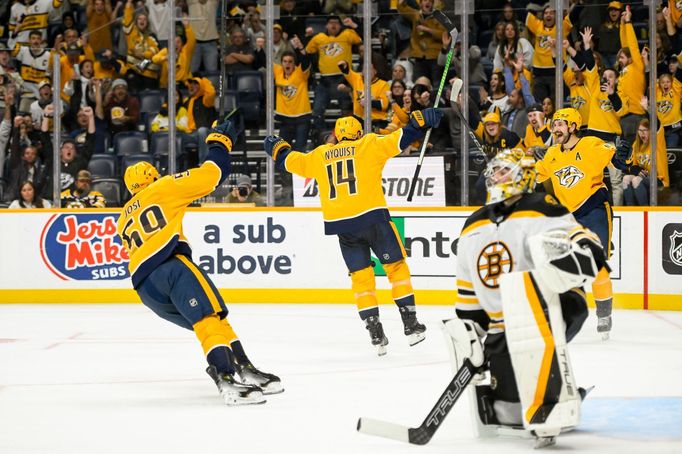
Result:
[[369, 426]]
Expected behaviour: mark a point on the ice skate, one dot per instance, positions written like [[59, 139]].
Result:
[[376, 333], [604, 327], [234, 392], [269, 383], [543, 442], [413, 329]]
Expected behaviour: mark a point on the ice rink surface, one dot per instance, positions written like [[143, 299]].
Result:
[[117, 379]]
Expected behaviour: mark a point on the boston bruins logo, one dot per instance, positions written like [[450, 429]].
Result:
[[664, 107], [494, 260], [569, 176]]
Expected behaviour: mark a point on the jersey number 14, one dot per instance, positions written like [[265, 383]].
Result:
[[336, 178]]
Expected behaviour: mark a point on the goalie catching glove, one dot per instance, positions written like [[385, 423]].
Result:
[[426, 118], [224, 133], [561, 262]]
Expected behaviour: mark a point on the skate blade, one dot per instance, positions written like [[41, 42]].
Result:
[[272, 388], [543, 442], [236, 401], [605, 336], [381, 350], [415, 338]]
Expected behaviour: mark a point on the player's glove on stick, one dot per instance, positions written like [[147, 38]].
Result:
[[426, 118], [274, 145], [225, 134]]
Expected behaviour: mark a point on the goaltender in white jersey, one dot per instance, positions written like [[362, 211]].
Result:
[[522, 260]]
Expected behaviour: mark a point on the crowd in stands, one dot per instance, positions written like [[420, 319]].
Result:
[[113, 60]]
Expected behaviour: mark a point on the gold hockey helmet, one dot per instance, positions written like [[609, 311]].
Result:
[[140, 175], [347, 128]]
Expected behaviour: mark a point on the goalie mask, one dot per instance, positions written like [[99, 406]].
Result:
[[509, 173], [140, 175]]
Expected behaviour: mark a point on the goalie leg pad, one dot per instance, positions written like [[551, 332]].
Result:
[[364, 289], [535, 330]]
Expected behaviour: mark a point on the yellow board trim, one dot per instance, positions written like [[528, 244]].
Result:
[[547, 354], [659, 302]]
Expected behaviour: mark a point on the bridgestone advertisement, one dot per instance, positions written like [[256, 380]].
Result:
[[397, 176]]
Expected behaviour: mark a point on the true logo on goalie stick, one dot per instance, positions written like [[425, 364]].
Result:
[[672, 248], [448, 399], [494, 260]]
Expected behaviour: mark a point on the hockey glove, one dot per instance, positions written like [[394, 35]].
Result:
[[274, 145], [623, 150], [426, 118], [225, 134]]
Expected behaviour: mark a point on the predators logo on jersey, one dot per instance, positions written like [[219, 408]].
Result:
[[494, 260], [664, 107], [577, 102], [569, 176], [332, 49], [544, 42], [289, 91], [605, 105]]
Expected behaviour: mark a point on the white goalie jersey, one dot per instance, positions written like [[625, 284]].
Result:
[[494, 241]]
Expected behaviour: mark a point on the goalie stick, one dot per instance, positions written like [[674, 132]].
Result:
[[452, 30], [422, 434]]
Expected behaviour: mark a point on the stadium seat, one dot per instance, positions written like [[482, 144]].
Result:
[[249, 86], [484, 39], [102, 166], [150, 100], [130, 142], [110, 189], [131, 159], [159, 151]]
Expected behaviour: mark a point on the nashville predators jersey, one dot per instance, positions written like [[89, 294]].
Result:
[[541, 138], [668, 104], [292, 92], [641, 156], [577, 173], [34, 64], [379, 89], [675, 7], [333, 49], [604, 115], [632, 80], [493, 242], [26, 18], [348, 175], [579, 95], [150, 224], [542, 57]]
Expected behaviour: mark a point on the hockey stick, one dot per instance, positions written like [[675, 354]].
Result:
[[221, 77], [472, 133], [422, 434], [445, 22]]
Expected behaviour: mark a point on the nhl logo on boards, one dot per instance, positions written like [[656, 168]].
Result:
[[84, 247], [671, 253]]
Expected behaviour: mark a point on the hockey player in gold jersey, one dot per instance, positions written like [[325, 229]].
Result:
[[521, 262], [167, 280], [348, 175], [573, 171]]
